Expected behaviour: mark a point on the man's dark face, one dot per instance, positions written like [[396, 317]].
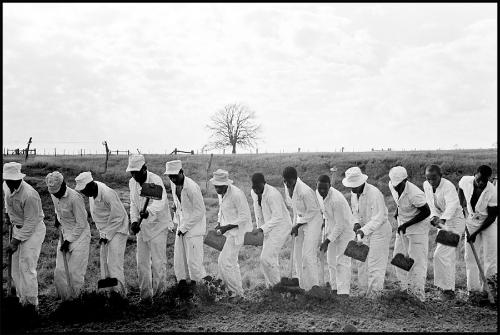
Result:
[[258, 188], [59, 194], [433, 178], [480, 181], [177, 179], [13, 184], [323, 188], [221, 189], [290, 183], [400, 187], [141, 175], [88, 191], [357, 190]]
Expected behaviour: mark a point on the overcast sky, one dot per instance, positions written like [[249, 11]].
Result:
[[318, 76]]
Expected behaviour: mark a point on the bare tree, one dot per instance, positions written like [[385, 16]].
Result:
[[233, 125]]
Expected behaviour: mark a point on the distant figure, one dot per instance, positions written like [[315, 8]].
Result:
[[191, 219], [307, 221], [372, 225], [273, 220], [71, 218], [338, 232], [234, 220], [151, 252], [411, 215], [442, 198], [24, 212], [111, 220], [478, 198]]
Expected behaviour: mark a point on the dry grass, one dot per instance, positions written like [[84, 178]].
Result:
[[240, 167]]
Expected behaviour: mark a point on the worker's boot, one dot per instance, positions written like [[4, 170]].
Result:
[[447, 295], [117, 301], [30, 313], [146, 301]]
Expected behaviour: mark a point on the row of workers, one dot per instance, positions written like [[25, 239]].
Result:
[[367, 217]]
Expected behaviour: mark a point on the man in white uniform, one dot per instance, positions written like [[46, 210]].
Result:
[[192, 225], [111, 220], [307, 222], [24, 210], [479, 200], [338, 233], [234, 221], [273, 220], [71, 218], [151, 233], [413, 230], [372, 225], [442, 198]]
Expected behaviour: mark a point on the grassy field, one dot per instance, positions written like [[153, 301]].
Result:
[[309, 165]]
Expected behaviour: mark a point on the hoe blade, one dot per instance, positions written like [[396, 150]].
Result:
[[357, 251], [107, 282], [448, 238], [152, 191], [402, 262]]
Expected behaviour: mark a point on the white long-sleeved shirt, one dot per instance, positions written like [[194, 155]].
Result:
[[444, 203], [159, 217], [304, 203], [108, 213], [369, 210], [191, 208], [337, 214], [408, 203], [273, 212], [24, 207], [488, 197], [71, 213], [234, 210]]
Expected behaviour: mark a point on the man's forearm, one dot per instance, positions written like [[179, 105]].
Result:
[[486, 223], [422, 215]]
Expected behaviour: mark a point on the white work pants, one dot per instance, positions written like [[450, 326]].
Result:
[[445, 258], [152, 265], [418, 247], [228, 267], [116, 253], [78, 259], [305, 253], [371, 273], [269, 257], [194, 258], [339, 265], [486, 248], [24, 262]]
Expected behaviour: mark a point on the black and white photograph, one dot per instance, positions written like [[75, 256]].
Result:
[[249, 167]]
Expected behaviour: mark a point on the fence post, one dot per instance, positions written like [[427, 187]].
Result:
[[55, 153]]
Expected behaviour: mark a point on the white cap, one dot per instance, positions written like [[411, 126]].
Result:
[[12, 171], [173, 167], [135, 162], [221, 177], [354, 177], [397, 174], [54, 181], [82, 180]]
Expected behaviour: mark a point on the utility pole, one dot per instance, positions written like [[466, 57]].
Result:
[[27, 150], [105, 143]]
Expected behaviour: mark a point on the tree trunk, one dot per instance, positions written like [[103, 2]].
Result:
[[234, 148]]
